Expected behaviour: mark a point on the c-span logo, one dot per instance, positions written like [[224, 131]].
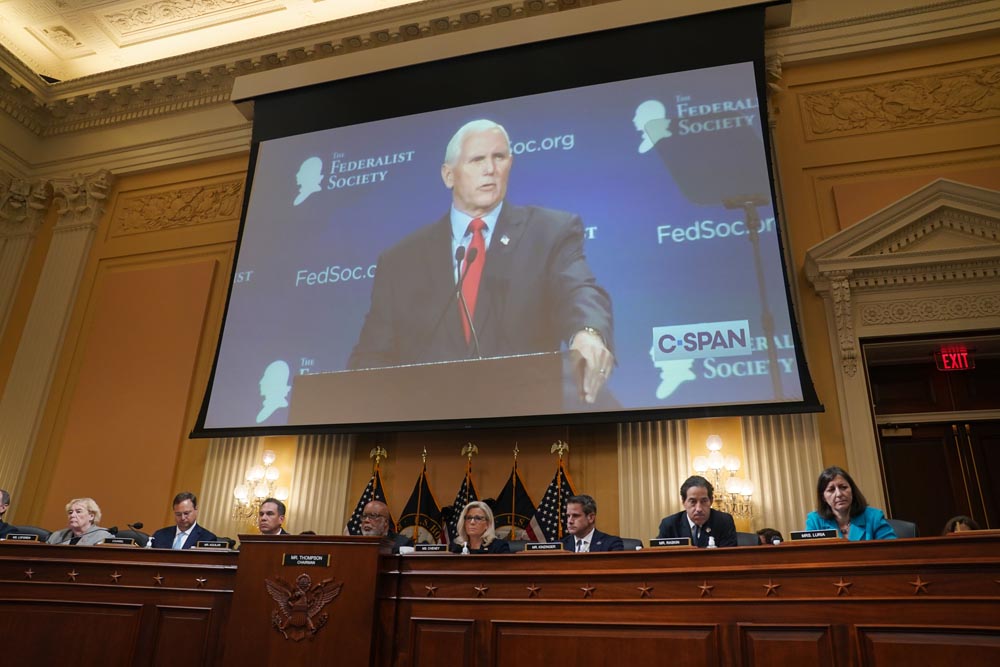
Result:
[[707, 339]]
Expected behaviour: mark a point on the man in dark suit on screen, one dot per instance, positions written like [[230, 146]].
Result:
[[581, 527], [524, 278], [698, 520], [186, 533]]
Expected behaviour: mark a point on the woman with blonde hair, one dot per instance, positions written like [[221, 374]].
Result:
[[476, 531], [83, 515]]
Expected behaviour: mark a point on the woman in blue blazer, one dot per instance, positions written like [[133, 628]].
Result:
[[841, 505]]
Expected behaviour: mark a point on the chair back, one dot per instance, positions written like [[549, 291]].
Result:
[[43, 534], [747, 540], [516, 545], [631, 543], [903, 528]]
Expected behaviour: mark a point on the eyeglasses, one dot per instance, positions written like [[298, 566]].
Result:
[[475, 518], [372, 517]]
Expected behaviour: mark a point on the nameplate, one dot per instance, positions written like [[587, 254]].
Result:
[[21, 537], [543, 546], [212, 544], [119, 542], [658, 542], [307, 560], [430, 548], [825, 534]]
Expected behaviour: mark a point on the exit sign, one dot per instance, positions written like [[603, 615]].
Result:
[[954, 358]]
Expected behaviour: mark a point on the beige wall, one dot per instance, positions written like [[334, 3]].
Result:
[[855, 135], [138, 349]]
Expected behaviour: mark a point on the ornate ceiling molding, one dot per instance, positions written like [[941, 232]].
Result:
[[205, 78], [873, 31], [57, 110]]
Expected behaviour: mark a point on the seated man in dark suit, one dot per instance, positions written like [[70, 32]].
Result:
[[187, 533], [698, 520], [583, 536], [271, 517], [5, 528], [376, 522]]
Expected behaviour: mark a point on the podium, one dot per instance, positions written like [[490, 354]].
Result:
[[304, 599], [528, 384]]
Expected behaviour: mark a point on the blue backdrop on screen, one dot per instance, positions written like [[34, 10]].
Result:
[[324, 205]]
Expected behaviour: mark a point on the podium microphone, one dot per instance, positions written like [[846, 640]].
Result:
[[470, 257]]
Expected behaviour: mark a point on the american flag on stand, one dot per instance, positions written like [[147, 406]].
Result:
[[550, 515], [372, 492], [466, 494]]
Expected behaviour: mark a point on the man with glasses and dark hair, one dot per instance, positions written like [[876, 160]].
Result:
[[271, 517], [186, 533], [698, 520], [5, 528], [582, 534], [375, 522]]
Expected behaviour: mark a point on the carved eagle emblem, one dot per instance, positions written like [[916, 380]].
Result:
[[298, 613]]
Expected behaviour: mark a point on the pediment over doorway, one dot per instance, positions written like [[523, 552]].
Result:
[[943, 225]]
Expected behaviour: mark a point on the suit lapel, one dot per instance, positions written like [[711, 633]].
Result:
[[492, 289], [440, 275]]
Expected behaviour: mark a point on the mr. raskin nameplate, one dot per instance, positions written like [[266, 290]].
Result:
[[21, 537], [824, 534], [543, 546], [212, 544], [658, 542], [430, 548], [308, 560]]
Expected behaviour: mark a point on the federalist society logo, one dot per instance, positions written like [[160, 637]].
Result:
[[344, 172], [651, 119]]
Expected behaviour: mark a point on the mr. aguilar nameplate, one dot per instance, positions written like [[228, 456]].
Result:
[[657, 542], [431, 548], [212, 544], [309, 560], [21, 537], [825, 534], [543, 546]]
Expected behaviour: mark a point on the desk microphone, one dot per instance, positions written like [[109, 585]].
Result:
[[470, 257], [135, 526]]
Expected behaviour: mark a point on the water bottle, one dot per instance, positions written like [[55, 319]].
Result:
[[465, 549], [711, 541]]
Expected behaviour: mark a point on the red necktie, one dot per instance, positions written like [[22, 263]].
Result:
[[472, 272]]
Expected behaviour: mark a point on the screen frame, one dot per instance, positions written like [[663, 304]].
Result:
[[583, 60]]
